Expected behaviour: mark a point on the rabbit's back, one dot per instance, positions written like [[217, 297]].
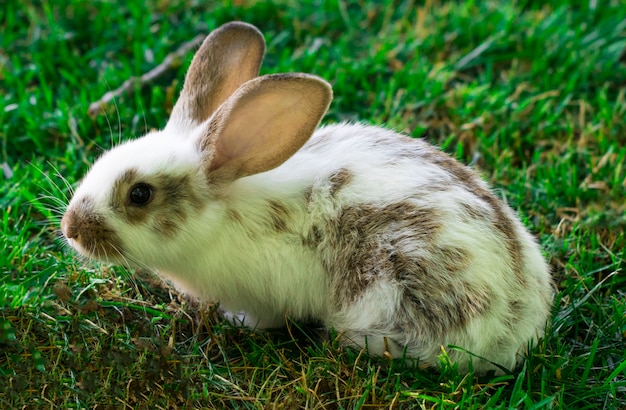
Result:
[[419, 252]]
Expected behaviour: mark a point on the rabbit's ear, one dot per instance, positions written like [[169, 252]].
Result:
[[228, 57], [263, 124]]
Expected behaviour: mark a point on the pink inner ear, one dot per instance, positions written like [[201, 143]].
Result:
[[261, 132], [264, 123]]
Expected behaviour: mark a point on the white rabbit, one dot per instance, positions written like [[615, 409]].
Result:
[[382, 237]]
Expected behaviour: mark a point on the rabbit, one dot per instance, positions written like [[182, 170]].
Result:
[[386, 240]]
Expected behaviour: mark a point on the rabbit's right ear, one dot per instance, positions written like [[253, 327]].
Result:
[[228, 57]]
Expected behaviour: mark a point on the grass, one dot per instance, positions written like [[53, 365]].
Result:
[[533, 94]]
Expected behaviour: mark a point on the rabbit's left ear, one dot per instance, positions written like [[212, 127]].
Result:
[[228, 57], [263, 124]]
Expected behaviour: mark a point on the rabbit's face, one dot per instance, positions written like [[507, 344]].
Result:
[[124, 213]]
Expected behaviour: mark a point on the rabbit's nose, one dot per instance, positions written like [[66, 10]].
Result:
[[68, 228]]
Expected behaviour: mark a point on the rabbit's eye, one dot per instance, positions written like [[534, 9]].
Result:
[[140, 194]]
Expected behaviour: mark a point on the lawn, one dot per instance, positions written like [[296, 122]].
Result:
[[533, 94]]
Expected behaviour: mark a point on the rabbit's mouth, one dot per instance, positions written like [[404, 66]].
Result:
[[96, 251]]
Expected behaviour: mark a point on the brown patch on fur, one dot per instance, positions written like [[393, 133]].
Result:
[[504, 224], [308, 195], [179, 191], [501, 220], [339, 179], [365, 242], [475, 213], [174, 202], [167, 225], [313, 238], [128, 176], [436, 297], [452, 259], [398, 243], [435, 301], [118, 201], [516, 310], [174, 199], [279, 215], [234, 216], [89, 229]]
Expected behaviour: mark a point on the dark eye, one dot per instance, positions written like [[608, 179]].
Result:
[[140, 194]]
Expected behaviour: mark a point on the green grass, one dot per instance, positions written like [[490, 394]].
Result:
[[532, 93]]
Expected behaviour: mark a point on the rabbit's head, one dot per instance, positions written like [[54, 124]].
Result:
[[139, 197]]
